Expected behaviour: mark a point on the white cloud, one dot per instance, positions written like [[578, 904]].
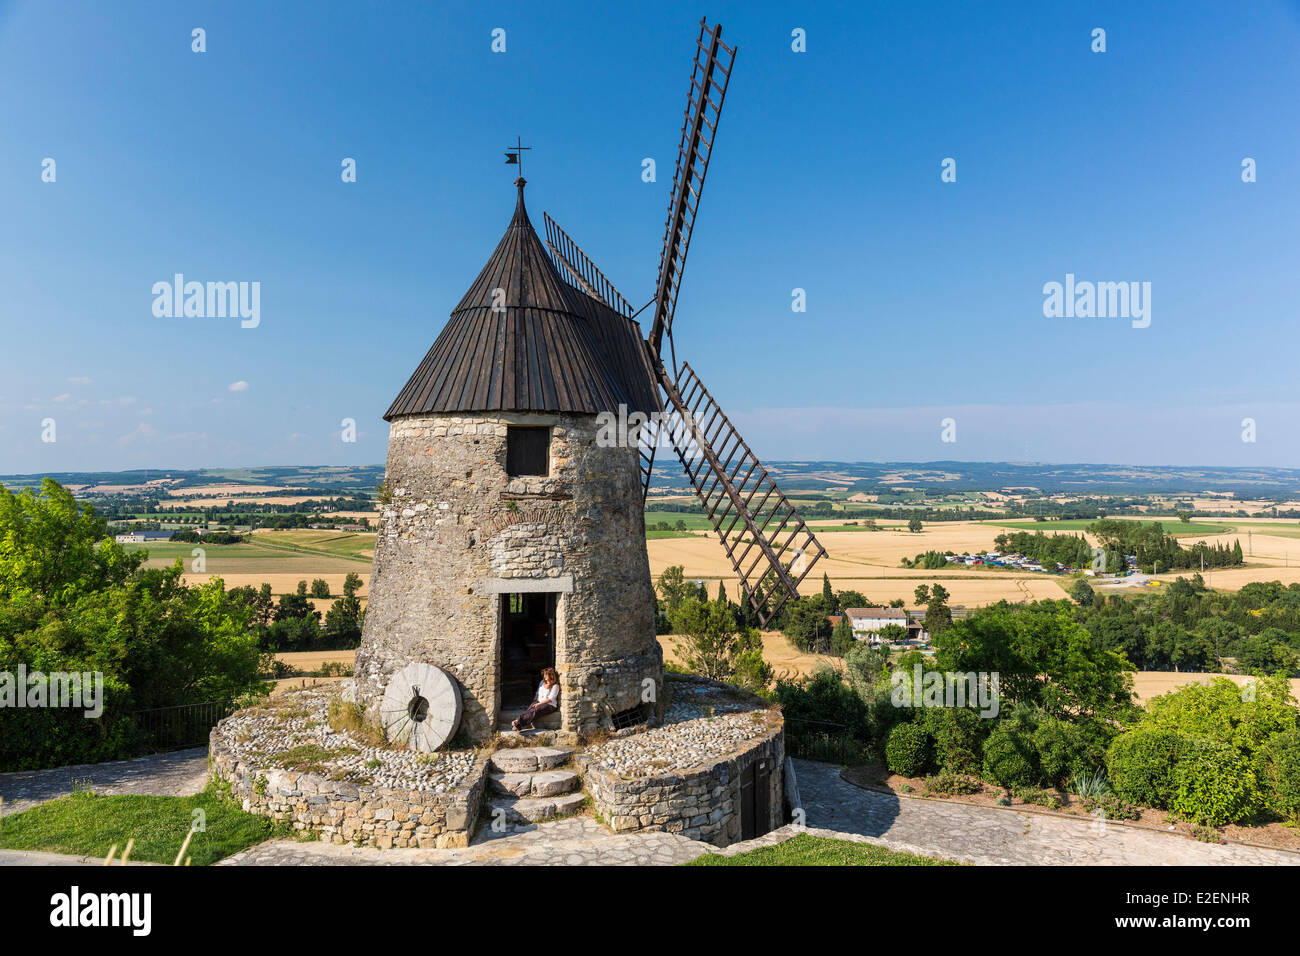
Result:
[[66, 396], [240, 386], [141, 430], [79, 380]]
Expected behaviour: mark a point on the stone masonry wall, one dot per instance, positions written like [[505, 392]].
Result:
[[458, 533], [702, 804], [344, 812]]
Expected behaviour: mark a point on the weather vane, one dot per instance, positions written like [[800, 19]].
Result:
[[515, 155]]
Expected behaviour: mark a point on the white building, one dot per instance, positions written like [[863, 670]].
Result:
[[129, 539], [867, 622]]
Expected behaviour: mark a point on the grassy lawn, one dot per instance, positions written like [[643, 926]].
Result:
[[85, 824], [806, 850]]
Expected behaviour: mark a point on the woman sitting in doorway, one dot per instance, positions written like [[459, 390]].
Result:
[[547, 701]]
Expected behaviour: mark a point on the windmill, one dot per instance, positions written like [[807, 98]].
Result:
[[769, 546]]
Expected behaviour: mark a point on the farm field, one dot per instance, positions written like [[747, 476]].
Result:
[[859, 560], [278, 558], [788, 662], [1149, 684]]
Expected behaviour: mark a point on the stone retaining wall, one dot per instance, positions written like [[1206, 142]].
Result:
[[344, 812], [702, 804]]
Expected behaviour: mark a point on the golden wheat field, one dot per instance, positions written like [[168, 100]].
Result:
[[1148, 684], [866, 561]]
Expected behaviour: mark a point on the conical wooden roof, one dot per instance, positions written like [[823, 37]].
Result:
[[523, 339]]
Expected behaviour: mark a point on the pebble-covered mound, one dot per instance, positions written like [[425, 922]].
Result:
[[704, 723], [291, 731]]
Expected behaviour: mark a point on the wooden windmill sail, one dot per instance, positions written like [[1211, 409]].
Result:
[[770, 547]]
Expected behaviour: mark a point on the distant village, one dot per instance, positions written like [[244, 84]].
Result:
[[1022, 562]]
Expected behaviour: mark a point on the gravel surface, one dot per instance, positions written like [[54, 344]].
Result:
[[704, 723], [296, 719]]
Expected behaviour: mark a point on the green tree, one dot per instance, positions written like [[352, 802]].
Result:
[[842, 638], [938, 616], [343, 621], [914, 524], [711, 643], [892, 634], [320, 588], [846, 599], [1081, 593], [351, 584], [1043, 657], [71, 599], [673, 588]]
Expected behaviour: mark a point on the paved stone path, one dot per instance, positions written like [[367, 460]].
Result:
[[577, 841], [989, 835], [179, 774], [834, 808]]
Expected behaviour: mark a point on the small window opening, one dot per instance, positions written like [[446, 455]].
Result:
[[528, 450]]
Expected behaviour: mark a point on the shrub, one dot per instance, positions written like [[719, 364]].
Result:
[[1060, 750], [1278, 773], [1214, 785], [958, 735], [1111, 807], [1243, 717], [1010, 758], [908, 751], [949, 784], [1141, 765]]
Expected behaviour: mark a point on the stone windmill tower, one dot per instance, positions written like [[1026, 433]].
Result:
[[514, 534]]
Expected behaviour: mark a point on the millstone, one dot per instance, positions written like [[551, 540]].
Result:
[[421, 707]]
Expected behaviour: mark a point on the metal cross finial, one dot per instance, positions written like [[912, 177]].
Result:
[[515, 155]]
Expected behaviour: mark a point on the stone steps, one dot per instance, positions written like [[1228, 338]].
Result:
[[535, 809], [529, 759], [527, 785], [543, 783]]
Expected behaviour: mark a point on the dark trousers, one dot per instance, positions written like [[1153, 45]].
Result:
[[537, 709]]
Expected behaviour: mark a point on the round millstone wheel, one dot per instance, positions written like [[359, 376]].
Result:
[[421, 707]]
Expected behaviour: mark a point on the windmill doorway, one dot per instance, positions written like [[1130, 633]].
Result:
[[527, 646]]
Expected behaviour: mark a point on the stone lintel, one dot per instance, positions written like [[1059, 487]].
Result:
[[561, 585]]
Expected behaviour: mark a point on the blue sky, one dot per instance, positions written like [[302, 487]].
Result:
[[924, 298]]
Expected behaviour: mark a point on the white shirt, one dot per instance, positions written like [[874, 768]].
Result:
[[552, 695]]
